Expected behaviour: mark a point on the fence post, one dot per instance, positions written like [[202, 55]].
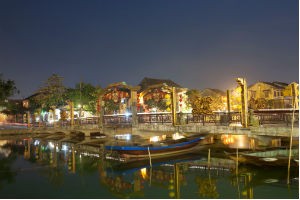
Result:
[[187, 118]]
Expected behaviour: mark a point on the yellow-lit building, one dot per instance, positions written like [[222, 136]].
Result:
[[269, 95], [155, 96]]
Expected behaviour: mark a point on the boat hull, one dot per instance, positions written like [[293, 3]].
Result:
[[269, 158], [147, 152]]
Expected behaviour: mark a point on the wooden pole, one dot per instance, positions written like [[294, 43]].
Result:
[[228, 105], [244, 97], [133, 98], [176, 178], [73, 161], [149, 157], [208, 159], [174, 116], [244, 104], [28, 119], [237, 162], [72, 113]]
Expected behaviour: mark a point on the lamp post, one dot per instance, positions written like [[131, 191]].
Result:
[[80, 110], [174, 116], [228, 106], [71, 107], [243, 84]]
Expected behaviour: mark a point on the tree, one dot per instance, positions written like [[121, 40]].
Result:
[[161, 104], [85, 95], [192, 94], [52, 93], [7, 89], [202, 106], [235, 99]]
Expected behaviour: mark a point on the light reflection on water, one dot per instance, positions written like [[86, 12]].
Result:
[[52, 169]]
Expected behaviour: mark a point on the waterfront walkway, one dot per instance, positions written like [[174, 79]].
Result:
[[276, 123], [154, 129]]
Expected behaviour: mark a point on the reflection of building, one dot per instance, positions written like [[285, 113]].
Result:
[[27, 148], [238, 141]]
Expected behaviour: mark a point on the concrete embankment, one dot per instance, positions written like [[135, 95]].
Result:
[[275, 130], [143, 129]]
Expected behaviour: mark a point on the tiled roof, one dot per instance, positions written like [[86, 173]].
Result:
[[277, 84], [212, 92], [146, 82]]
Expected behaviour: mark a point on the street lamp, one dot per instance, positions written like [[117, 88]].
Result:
[[243, 84]]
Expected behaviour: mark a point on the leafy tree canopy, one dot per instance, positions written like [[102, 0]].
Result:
[[85, 95], [7, 89], [51, 93]]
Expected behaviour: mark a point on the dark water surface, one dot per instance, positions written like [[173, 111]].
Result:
[[32, 168]]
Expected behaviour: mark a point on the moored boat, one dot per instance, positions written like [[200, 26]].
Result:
[[274, 157], [156, 150]]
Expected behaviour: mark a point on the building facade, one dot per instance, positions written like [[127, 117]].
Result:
[[271, 95]]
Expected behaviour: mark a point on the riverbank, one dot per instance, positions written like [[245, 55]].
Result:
[[147, 130]]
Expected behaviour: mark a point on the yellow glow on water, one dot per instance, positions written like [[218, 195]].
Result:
[[144, 173], [157, 138], [177, 136], [236, 141], [154, 139]]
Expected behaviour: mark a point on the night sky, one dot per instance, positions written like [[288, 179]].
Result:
[[196, 43]]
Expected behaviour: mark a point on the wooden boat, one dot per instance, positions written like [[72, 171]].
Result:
[[275, 157], [160, 150]]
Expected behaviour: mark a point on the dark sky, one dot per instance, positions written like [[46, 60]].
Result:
[[196, 43]]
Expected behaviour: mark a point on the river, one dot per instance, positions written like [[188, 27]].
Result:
[[45, 168]]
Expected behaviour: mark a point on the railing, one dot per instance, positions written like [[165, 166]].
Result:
[[161, 118], [262, 117], [117, 119], [276, 117], [189, 118], [67, 123], [215, 118]]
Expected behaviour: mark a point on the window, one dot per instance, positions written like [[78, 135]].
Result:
[[267, 93], [253, 94]]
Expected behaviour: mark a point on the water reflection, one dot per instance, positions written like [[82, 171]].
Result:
[[7, 175], [244, 141], [238, 141], [64, 163]]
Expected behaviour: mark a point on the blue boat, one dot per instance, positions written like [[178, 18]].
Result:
[[158, 150]]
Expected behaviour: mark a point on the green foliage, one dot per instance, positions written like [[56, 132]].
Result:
[[193, 95], [84, 94], [202, 106], [7, 89], [51, 94], [110, 106], [160, 105], [14, 108]]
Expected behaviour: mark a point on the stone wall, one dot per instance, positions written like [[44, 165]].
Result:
[[270, 131]]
